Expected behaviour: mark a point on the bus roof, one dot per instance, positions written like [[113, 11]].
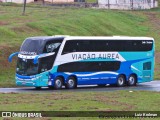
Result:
[[60, 37], [107, 38], [45, 38]]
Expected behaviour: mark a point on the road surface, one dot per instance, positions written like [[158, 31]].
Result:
[[148, 86]]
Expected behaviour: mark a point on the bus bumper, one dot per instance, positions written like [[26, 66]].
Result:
[[31, 81], [26, 83]]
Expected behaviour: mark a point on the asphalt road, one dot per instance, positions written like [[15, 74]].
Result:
[[148, 86]]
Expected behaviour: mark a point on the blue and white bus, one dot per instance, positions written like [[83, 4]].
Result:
[[56, 61]]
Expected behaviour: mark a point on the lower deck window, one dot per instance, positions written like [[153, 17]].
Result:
[[89, 66]]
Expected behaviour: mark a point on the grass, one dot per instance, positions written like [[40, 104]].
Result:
[[81, 101], [39, 21], [72, 21]]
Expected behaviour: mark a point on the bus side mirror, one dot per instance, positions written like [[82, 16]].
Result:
[[12, 55], [35, 61]]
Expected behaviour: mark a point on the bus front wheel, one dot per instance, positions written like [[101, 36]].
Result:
[[71, 83], [121, 81], [58, 83], [132, 80]]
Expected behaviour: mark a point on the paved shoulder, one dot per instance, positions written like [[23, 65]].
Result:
[[148, 86]]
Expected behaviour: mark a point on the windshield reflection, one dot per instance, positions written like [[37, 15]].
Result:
[[26, 67]]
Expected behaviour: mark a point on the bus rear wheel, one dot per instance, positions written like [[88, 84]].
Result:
[[71, 83], [121, 81], [58, 83], [132, 80]]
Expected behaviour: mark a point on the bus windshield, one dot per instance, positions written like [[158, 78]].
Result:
[[38, 46], [32, 47], [26, 67]]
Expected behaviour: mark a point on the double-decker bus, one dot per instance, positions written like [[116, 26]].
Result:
[[56, 61]]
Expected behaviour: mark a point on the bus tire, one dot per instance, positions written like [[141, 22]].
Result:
[[58, 82], [132, 80], [71, 83], [121, 81]]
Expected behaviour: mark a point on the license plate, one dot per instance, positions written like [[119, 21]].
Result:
[[23, 83]]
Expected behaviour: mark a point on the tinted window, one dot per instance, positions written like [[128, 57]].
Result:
[[147, 66], [52, 46], [107, 45], [69, 47], [26, 67], [89, 66], [46, 63], [39, 45], [32, 47], [138, 45]]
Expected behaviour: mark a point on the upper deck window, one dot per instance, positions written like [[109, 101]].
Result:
[[107, 45]]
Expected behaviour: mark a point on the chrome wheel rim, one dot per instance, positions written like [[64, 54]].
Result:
[[121, 81], [58, 83], [131, 80], [71, 83]]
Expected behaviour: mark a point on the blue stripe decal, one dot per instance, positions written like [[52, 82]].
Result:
[[92, 74], [25, 77]]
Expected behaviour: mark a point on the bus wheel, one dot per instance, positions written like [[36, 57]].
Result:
[[71, 83], [121, 81], [58, 83], [132, 80]]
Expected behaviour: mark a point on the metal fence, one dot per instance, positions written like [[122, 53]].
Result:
[[106, 4], [127, 4]]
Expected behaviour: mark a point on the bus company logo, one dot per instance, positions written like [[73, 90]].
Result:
[[6, 114], [85, 56], [147, 42], [28, 53]]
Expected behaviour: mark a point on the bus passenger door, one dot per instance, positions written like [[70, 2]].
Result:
[[147, 76]]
